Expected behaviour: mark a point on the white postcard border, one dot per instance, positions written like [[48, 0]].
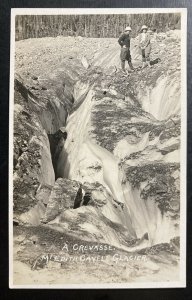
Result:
[[183, 155]]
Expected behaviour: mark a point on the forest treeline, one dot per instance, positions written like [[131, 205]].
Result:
[[36, 26]]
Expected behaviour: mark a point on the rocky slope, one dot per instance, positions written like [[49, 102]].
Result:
[[96, 156]]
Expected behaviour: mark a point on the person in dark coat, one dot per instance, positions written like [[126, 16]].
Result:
[[124, 42]]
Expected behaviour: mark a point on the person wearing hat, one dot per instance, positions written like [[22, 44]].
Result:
[[145, 46], [124, 42]]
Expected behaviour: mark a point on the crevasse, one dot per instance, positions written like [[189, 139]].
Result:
[[80, 151]]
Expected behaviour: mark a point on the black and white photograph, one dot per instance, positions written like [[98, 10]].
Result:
[[97, 148]]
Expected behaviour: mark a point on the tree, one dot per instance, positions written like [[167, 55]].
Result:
[[31, 26]]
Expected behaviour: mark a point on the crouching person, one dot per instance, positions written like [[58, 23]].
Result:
[[124, 42], [145, 46]]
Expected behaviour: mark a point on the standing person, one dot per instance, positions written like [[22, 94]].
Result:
[[124, 42], [145, 46]]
